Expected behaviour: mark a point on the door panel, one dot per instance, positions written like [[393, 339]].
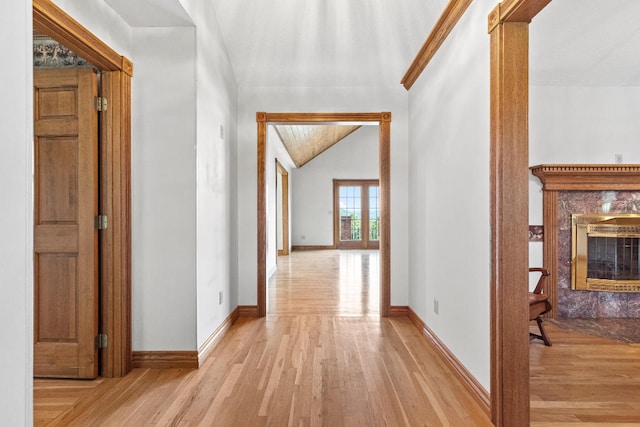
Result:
[[65, 239]]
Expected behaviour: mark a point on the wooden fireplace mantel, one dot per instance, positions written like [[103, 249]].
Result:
[[586, 177], [607, 177]]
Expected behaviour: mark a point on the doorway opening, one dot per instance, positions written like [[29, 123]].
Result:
[[383, 120]]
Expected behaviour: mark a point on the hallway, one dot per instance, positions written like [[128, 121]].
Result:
[[321, 357]]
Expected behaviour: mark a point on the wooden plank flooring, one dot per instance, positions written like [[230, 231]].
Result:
[[584, 380], [341, 283], [322, 357]]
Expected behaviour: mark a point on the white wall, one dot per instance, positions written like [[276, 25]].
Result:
[[279, 212], [449, 192], [579, 124], [274, 151], [355, 157], [184, 115], [217, 111], [164, 189], [16, 218], [163, 173], [584, 124], [321, 99]]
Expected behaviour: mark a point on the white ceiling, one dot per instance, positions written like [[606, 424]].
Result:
[[324, 42], [372, 42]]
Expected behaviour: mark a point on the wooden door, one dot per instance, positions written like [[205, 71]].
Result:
[[65, 238]]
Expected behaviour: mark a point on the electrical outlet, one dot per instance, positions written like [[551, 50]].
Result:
[[436, 306], [220, 297]]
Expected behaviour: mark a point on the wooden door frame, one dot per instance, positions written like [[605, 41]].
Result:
[[280, 170], [115, 179], [509, 40], [383, 120], [337, 183]]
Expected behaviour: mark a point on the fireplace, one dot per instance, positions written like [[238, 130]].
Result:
[[609, 190], [605, 252]]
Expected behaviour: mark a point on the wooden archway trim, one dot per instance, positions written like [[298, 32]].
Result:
[[509, 40], [53, 21], [384, 122], [115, 178]]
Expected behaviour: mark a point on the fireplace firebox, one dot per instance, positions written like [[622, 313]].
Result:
[[605, 252]]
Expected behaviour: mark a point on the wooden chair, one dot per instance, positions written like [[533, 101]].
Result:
[[539, 304]]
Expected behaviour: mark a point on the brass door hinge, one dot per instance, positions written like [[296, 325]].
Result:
[[101, 103], [101, 222], [101, 341]]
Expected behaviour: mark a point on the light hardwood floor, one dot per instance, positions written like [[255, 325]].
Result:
[[584, 380], [339, 283], [322, 357]]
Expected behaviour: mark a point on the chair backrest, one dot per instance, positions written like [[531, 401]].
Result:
[[544, 273]]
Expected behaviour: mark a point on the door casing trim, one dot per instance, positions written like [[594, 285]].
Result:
[[383, 119]]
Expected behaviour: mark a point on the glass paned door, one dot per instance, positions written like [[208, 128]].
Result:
[[357, 214]]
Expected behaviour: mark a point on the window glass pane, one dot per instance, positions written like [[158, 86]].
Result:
[[350, 213], [374, 213]]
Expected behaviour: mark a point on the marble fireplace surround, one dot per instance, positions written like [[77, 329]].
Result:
[[569, 189]]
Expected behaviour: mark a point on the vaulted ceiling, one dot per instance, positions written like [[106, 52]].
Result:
[[372, 42], [324, 42], [320, 43], [305, 142]]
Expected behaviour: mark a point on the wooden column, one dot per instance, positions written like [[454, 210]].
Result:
[[509, 220], [509, 40]]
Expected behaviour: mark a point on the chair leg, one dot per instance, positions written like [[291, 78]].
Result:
[[543, 333]]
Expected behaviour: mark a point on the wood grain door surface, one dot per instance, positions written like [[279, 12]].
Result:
[[65, 238]]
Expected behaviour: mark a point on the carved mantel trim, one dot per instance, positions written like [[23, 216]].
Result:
[[588, 177]]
